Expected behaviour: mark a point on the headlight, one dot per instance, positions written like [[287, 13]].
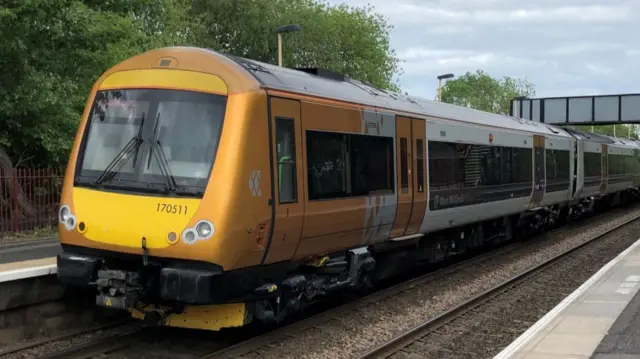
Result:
[[67, 218], [189, 236], [65, 213], [204, 229]]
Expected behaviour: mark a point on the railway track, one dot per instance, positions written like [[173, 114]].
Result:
[[110, 325], [140, 341], [251, 347], [99, 347], [133, 342], [477, 303]]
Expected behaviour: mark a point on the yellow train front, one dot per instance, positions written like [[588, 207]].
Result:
[[165, 207]]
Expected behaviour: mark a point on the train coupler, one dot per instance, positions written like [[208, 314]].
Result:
[[118, 289]]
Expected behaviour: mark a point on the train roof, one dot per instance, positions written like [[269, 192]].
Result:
[[332, 85], [625, 142], [594, 137]]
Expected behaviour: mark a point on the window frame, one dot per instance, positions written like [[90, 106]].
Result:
[[493, 162], [404, 165], [349, 173], [279, 120], [420, 163]]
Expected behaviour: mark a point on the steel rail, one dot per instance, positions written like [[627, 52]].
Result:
[[404, 339], [96, 347], [41, 342]]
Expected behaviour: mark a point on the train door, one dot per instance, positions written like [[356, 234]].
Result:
[[576, 176], [538, 171], [419, 164], [404, 186], [604, 169], [287, 176]]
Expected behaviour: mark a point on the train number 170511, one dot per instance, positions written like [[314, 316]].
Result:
[[171, 208]]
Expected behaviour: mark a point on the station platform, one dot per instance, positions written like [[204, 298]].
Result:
[[599, 320], [29, 250], [28, 259]]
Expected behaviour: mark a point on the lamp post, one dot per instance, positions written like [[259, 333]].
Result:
[[440, 78], [283, 29]]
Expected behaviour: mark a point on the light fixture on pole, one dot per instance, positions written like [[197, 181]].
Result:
[[440, 78], [280, 30]]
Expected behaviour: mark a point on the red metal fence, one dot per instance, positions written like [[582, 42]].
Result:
[[29, 199]]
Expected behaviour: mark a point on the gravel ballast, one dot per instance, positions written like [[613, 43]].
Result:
[[487, 329], [357, 331]]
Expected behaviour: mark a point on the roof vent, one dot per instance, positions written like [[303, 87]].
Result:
[[332, 75]]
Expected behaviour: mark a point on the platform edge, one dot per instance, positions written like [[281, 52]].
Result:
[[525, 337], [24, 273]]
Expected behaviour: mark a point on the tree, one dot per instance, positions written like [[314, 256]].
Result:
[[350, 40], [52, 51], [482, 92]]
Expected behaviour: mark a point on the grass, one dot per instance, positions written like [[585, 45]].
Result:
[[35, 234]]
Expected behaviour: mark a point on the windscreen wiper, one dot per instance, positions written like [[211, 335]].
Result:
[[133, 144], [115, 165], [163, 164]]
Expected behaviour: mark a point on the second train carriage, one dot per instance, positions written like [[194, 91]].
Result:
[[607, 166], [494, 172], [204, 190]]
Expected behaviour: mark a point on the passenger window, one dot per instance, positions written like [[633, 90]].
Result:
[[457, 165], [551, 165], [420, 164], [506, 173], [286, 152], [348, 165], [371, 165], [404, 177]]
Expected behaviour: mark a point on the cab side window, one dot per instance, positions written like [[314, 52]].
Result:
[[286, 157]]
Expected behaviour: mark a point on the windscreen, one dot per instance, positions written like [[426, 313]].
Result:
[[151, 139]]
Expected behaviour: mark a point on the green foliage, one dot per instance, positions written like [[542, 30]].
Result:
[[52, 51], [482, 92], [353, 41]]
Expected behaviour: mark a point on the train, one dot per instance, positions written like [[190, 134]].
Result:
[[209, 191]]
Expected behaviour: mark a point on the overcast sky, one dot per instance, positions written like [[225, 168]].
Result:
[[564, 47]]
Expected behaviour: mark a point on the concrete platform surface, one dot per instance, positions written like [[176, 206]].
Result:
[[27, 269], [623, 337], [29, 250], [605, 307]]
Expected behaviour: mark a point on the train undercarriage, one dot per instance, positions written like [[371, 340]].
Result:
[[175, 295]]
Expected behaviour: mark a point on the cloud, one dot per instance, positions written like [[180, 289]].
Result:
[[570, 91], [405, 13], [598, 70], [564, 47], [418, 53], [578, 48], [449, 29], [419, 61]]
